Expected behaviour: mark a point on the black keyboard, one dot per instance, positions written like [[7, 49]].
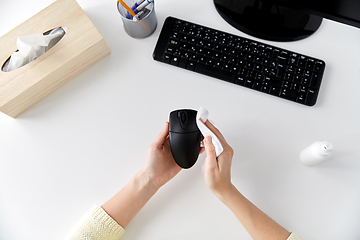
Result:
[[240, 61]]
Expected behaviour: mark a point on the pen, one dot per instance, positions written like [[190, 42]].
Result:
[[128, 15], [127, 8], [139, 6], [132, 13], [142, 5], [140, 15]]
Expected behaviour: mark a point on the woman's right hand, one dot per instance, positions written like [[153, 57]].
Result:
[[217, 170]]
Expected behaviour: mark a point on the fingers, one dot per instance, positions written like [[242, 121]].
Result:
[[218, 134], [215, 131], [211, 161], [160, 139], [228, 151]]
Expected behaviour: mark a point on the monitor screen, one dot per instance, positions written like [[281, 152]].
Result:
[[286, 20]]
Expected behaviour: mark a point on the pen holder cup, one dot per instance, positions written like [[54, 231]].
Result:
[[141, 28]]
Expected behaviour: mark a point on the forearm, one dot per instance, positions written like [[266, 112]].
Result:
[[257, 223], [128, 201]]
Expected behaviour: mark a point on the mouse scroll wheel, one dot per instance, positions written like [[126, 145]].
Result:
[[183, 117]]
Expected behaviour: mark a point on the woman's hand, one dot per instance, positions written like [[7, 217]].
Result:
[[160, 165], [217, 170], [159, 168], [218, 178]]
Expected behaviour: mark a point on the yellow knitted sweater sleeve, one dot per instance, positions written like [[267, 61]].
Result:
[[293, 237], [96, 224]]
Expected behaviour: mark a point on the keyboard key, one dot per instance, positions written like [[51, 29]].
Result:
[[306, 81], [210, 62], [243, 72], [300, 98], [273, 80], [303, 89], [234, 69], [274, 90], [302, 61], [288, 94], [249, 65], [266, 62], [167, 58], [257, 85], [295, 87], [286, 84], [249, 83], [202, 60], [183, 63], [310, 98], [293, 61], [313, 83], [297, 79], [265, 88], [174, 43], [274, 53], [308, 73], [240, 81], [216, 55], [218, 64], [251, 74], [289, 76], [191, 65], [310, 64], [213, 72], [226, 67], [175, 61], [319, 66], [281, 59], [241, 63], [258, 67]]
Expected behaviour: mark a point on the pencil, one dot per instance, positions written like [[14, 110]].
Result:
[[132, 13]]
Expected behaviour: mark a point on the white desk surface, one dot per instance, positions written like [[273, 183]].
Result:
[[84, 142]]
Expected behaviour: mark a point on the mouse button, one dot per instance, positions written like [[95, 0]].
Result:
[[192, 126], [183, 116], [183, 119], [174, 124]]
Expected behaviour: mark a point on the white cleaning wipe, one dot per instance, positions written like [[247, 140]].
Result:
[[205, 131]]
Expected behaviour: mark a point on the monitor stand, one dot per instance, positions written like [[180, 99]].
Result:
[[267, 20]]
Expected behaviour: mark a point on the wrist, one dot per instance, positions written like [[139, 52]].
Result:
[[129, 200], [146, 182], [225, 193]]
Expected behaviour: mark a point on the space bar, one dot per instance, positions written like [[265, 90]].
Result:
[[215, 72]]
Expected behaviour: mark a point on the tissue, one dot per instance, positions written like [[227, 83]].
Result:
[[31, 47], [203, 115]]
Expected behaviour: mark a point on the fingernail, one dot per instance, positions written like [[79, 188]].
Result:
[[208, 139]]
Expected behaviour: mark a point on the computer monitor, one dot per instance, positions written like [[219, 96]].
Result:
[[286, 20]]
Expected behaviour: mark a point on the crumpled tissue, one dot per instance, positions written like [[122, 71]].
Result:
[[201, 117], [31, 47]]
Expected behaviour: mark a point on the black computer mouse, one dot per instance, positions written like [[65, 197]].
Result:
[[184, 136]]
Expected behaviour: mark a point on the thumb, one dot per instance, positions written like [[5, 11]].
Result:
[[210, 153], [160, 139]]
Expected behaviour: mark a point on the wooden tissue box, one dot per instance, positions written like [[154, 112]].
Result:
[[81, 47]]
